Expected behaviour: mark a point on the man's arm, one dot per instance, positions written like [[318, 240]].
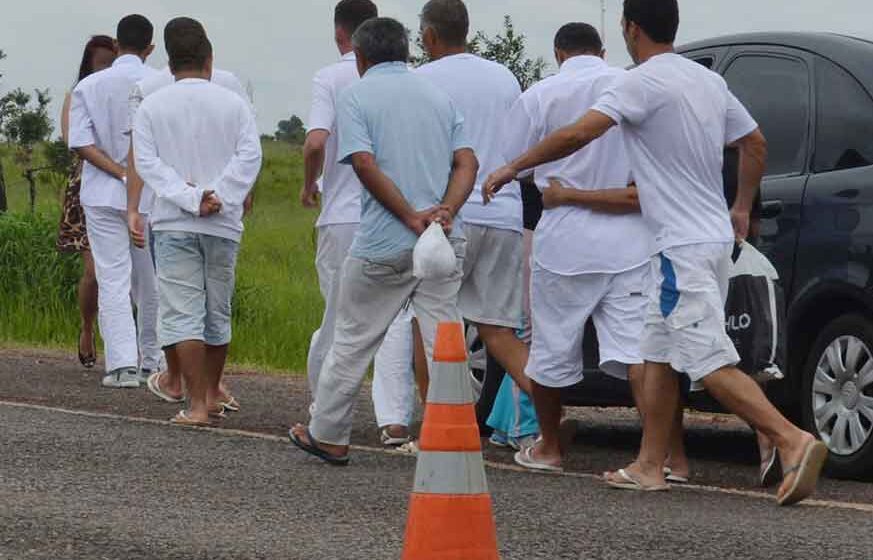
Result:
[[558, 145], [386, 192], [240, 174], [753, 161], [608, 201], [135, 222], [313, 166], [465, 169], [82, 138]]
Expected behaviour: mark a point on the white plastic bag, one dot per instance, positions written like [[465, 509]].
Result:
[[433, 257]]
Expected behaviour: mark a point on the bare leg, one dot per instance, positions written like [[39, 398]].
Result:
[[192, 359], [87, 305], [547, 402], [741, 395], [422, 377], [509, 351], [171, 382], [216, 357], [677, 459]]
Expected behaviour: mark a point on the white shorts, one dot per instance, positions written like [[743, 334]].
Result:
[[491, 293], [685, 324], [560, 308]]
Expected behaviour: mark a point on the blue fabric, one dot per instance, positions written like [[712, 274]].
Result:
[[669, 290], [413, 129], [513, 412]]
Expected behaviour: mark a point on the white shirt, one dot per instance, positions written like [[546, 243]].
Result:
[[572, 240], [99, 116], [160, 80], [484, 92], [339, 185], [197, 133], [678, 116]]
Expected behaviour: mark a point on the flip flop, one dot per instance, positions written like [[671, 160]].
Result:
[[769, 473], [312, 448], [808, 471], [231, 404], [154, 385], [675, 478], [524, 458], [628, 482], [182, 419], [390, 441]]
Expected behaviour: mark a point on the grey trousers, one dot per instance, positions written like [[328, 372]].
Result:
[[370, 296]]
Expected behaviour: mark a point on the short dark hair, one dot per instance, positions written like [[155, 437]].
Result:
[[350, 14], [578, 38], [382, 40], [187, 45], [135, 33], [450, 20], [658, 18]]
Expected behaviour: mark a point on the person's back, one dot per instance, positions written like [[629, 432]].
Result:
[[484, 92], [612, 242], [200, 128], [414, 131], [340, 187], [104, 96], [679, 175]]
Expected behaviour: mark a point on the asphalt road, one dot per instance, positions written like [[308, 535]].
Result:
[[130, 486]]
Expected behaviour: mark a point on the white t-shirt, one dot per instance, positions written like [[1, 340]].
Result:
[[677, 118], [160, 80], [572, 240], [484, 92], [196, 133], [339, 185]]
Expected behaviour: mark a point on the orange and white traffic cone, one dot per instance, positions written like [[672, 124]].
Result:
[[450, 515]]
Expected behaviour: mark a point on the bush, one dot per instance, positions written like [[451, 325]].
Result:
[[37, 284]]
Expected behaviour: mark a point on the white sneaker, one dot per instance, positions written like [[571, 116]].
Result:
[[122, 378]]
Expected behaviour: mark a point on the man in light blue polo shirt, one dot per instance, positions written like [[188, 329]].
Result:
[[404, 138]]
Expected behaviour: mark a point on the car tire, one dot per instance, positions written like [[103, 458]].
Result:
[[837, 395]]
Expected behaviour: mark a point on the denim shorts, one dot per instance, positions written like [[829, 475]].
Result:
[[196, 275]]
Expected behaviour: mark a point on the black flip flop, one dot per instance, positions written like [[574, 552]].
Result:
[[316, 451]]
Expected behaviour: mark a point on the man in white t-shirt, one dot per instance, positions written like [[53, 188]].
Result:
[[484, 91], [99, 133], [167, 385], [590, 253], [197, 147], [340, 193], [677, 117]]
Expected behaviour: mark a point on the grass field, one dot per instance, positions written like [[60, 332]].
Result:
[[277, 305]]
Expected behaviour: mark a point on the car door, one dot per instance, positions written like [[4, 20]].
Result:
[[774, 84], [837, 237]]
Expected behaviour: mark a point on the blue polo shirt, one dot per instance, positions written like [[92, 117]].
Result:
[[413, 130]]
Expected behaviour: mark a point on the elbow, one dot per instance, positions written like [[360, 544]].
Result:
[[314, 144]]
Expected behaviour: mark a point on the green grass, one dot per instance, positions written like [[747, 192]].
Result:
[[277, 302]]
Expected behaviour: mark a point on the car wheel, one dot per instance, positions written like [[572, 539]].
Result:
[[837, 398]]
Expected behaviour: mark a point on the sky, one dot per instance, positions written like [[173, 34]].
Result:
[[277, 45]]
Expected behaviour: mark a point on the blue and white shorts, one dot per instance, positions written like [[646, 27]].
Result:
[[196, 277], [685, 321]]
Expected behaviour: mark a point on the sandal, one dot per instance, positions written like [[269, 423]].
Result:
[[392, 441], [313, 449], [806, 473], [627, 481], [88, 361], [769, 472], [525, 458], [183, 419], [154, 385], [230, 404]]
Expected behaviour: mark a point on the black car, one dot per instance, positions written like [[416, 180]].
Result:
[[812, 94]]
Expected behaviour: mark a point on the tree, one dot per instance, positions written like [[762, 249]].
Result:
[[24, 122], [4, 205], [291, 131], [507, 48]]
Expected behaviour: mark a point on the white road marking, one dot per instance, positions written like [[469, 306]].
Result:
[[868, 508]]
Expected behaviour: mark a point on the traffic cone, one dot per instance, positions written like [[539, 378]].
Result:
[[450, 516]]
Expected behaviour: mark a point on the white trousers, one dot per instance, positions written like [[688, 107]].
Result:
[[394, 381], [123, 272]]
